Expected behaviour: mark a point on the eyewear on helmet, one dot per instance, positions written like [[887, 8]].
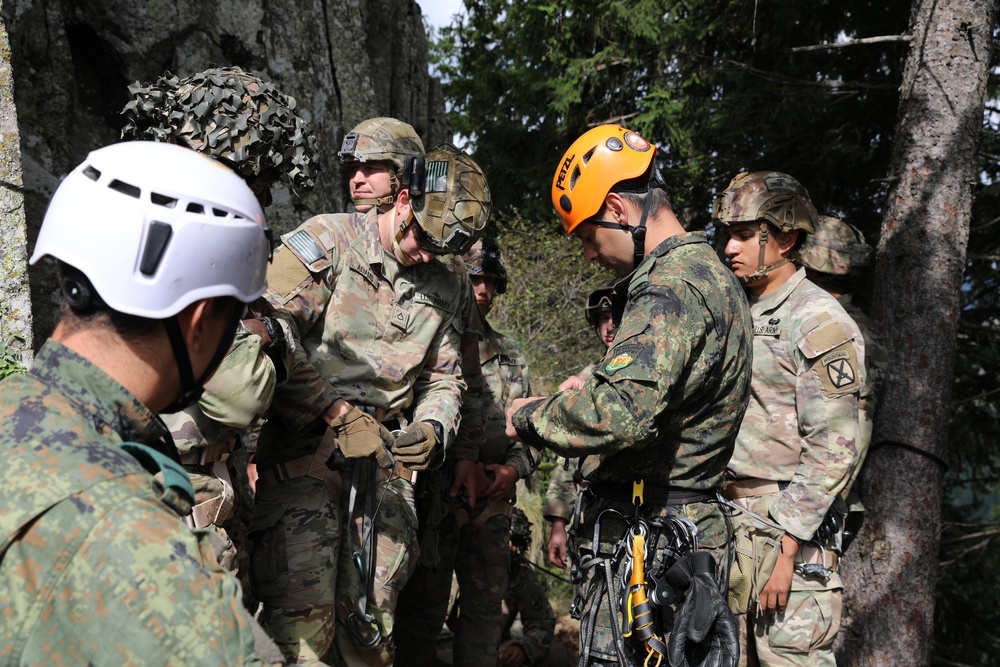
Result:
[[598, 302]]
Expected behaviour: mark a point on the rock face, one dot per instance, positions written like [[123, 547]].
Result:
[[15, 306], [342, 60]]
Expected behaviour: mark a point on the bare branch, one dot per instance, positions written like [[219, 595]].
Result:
[[852, 42]]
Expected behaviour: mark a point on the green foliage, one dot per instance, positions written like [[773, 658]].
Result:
[[11, 345], [543, 308]]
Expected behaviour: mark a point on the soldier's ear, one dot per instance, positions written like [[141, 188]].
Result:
[[787, 241], [403, 202]]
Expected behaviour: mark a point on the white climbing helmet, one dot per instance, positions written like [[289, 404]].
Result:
[[155, 227]]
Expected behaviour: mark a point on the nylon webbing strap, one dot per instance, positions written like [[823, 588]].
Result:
[[364, 560]]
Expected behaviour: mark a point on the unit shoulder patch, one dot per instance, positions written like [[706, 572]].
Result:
[[624, 356], [839, 370]]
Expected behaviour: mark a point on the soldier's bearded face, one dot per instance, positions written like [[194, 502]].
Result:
[[368, 180]]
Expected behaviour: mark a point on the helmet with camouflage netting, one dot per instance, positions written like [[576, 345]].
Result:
[[233, 116], [520, 529], [450, 199], [484, 259], [836, 247], [769, 196]]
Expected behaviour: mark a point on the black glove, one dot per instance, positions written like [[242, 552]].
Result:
[[705, 633]]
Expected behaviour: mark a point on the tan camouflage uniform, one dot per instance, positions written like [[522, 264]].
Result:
[[98, 567], [667, 399], [476, 552], [801, 431], [380, 336]]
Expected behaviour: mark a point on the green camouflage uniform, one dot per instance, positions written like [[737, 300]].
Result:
[[477, 553], [667, 400], [801, 430], [380, 336], [526, 600], [97, 566]]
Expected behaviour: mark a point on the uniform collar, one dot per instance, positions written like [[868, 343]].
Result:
[[771, 301], [112, 408]]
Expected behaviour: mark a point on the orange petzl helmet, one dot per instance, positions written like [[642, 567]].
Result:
[[596, 162]]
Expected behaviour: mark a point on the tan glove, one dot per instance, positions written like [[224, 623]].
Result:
[[360, 436], [415, 446]]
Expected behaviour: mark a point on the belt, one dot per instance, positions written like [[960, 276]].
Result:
[[653, 494], [751, 488], [204, 456], [311, 465], [812, 554]]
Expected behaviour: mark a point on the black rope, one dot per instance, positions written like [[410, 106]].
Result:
[[542, 569], [912, 448]]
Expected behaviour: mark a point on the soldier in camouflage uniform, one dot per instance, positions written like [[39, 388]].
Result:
[[374, 154], [667, 400], [832, 255], [526, 601], [561, 495], [157, 246], [800, 441], [473, 544], [249, 125], [372, 311]]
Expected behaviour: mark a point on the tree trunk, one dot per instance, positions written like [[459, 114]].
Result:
[[892, 570]]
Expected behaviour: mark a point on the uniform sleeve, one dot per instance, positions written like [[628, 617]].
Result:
[[618, 407], [471, 429], [300, 281], [829, 382], [439, 387], [560, 497], [242, 388], [537, 619], [519, 455]]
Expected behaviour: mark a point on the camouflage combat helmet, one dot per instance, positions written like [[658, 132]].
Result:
[[382, 140], [520, 530], [233, 116], [599, 301], [836, 247], [484, 259], [766, 197], [450, 199]]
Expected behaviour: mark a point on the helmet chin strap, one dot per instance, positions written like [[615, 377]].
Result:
[[397, 250], [191, 390], [638, 232], [762, 268], [377, 203]]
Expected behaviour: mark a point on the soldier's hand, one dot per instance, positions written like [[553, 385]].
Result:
[[774, 596], [415, 446], [360, 436], [514, 407], [572, 382], [466, 477], [504, 479], [557, 544], [511, 655]]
